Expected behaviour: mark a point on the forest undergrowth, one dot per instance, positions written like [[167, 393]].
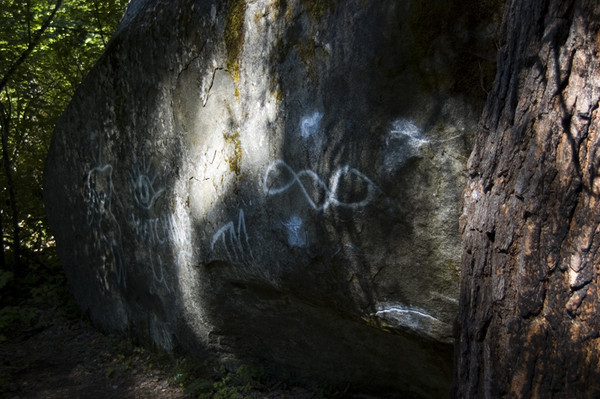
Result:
[[50, 349]]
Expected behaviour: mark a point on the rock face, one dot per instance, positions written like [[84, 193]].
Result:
[[276, 182]]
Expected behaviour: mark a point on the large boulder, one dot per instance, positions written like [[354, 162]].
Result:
[[276, 182]]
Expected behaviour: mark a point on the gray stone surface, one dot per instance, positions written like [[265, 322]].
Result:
[[272, 182]]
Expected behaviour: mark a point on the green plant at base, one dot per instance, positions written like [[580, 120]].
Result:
[[208, 380], [5, 278], [11, 316], [39, 298]]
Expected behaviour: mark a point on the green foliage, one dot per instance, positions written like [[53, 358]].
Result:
[[35, 299], [5, 278], [208, 380], [40, 88], [16, 315], [110, 371]]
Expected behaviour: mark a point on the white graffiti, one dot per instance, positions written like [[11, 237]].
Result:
[[159, 230], [145, 192], [151, 230], [405, 128], [166, 229], [309, 125], [234, 241], [403, 142], [415, 319], [99, 196], [99, 192], [297, 237], [329, 195], [159, 279]]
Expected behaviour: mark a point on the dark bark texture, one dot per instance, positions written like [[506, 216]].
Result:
[[529, 321]]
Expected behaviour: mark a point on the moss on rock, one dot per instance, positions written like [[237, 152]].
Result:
[[235, 161], [234, 37]]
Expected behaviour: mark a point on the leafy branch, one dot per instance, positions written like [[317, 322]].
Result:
[[5, 126], [32, 45]]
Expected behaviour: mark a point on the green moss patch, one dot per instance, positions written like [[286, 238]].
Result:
[[235, 160], [234, 36]]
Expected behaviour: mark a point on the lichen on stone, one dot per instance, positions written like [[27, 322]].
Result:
[[306, 50], [234, 37], [316, 9], [235, 161]]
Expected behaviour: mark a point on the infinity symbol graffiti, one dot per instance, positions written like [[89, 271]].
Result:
[[280, 168]]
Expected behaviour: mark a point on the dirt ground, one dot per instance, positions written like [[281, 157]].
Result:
[[71, 359]]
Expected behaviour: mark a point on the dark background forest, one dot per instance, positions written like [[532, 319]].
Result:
[[46, 49]]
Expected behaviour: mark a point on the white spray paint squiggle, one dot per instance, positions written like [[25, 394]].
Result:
[[296, 235], [280, 168], [234, 241], [309, 125], [143, 184], [100, 193]]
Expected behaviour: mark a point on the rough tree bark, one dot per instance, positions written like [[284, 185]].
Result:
[[528, 324]]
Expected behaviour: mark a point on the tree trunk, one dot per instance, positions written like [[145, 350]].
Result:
[[529, 323], [5, 119], [4, 130], [2, 251]]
